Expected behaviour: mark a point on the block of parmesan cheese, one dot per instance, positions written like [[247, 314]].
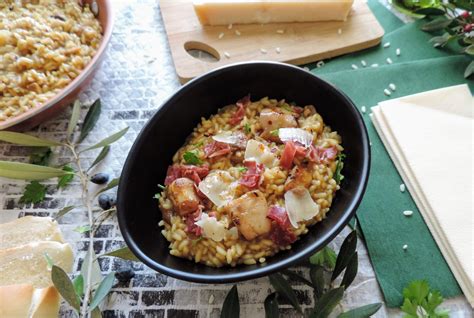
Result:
[[224, 12]]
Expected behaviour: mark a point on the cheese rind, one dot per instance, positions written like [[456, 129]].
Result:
[[222, 12]]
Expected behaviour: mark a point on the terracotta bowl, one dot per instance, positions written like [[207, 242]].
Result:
[[68, 94]]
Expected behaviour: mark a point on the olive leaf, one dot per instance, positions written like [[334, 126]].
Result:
[[26, 171], [107, 141], [317, 278], [361, 312], [283, 288], [327, 302], [96, 274], [96, 313], [123, 253], [112, 184], [102, 291], [470, 49], [271, 306], [351, 271], [66, 179], [26, 140], [469, 70], [347, 250], [40, 156], [76, 111], [430, 11], [442, 40], [64, 286], [63, 212], [82, 229], [103, 153], [91, 119], [294, 276], [78, 284], [231, 306], [325, 257], [436, 25]]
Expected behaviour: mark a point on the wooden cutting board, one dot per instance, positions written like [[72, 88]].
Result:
[[300, 43]]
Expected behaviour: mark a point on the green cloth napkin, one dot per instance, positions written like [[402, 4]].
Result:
[[380, 216]]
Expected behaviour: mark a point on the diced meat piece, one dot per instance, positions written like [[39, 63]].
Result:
[[183, 196], [240, 113], [271, 120], [216, 149], [166, 215], [194, 173], [281, 233], [286, 160], [299, 176], [173, 173], [191, 227], [319, 154], [249, 214], [252, 177]]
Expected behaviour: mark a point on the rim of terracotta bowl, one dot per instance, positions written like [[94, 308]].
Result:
[[107, 33]]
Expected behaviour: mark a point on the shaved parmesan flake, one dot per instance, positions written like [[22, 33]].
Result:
[[218, 187], [233, 233], [231, 138], [212, 228], [300, 206], [258, 152], [296, 135]]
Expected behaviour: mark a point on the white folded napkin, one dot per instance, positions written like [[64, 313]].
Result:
[[429, 137]]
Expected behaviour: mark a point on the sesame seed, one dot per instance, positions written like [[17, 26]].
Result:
[[221, 35], [277, 49], [237, 32], [320, 64], [374, 65], [211, 299], [387, 92], [398, 52], [339, 31], [229, 26], [389, 60], [354, 66], [280, 31], [405, 247], [364, 63], [363, 109], [226, 54], [386, 45], [402, 187], [263, 51], [392, 86]]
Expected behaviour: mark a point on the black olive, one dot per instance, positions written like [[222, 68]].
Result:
[[100, 178], [125, 272], [105, 201]]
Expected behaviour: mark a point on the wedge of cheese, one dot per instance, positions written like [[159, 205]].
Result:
[[224, 12], [25, 301]]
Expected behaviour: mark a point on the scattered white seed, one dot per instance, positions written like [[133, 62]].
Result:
[[392, 86], [386, 45], [389, 60], [363, 109], [339, 31], [398, 52], [229, 26], [405, 247], [354, 66], [306, 68], [226, 54], [237, 32], [374, 65], [320, 64], [402, 187], [407, 213], [221, 35], [277, 49], [211, 299], [364, 63], [370, 143], [387, 92], [263, 51], [262, 259], [280, 31]]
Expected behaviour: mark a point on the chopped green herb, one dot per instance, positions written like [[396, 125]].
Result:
[[247, 128], [35, 192], [419, 298], [340, 164], [199, 144], [242, 169], [191, 158], [162, 187], [157, 196], [287, 107], [274, 132]]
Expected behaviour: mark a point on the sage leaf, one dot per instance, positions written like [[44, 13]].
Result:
[[231, 305], [26, 171], [63, 212], [271, 306], [348, 248], [26, 140], [112, 184], [317, 278], [430, 11], [76, 111], [351, 271], [64, 286], [102, 291], [283, 288], [107, 141], [327, 302], [436, 25], [325, 257], [103, 153], [361, 312], [96, 274], [78, 284], [294, 276], [469, 70], [49, 261], [91, 119], [123, 253]]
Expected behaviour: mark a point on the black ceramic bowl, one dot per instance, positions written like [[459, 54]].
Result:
[[147, 162]]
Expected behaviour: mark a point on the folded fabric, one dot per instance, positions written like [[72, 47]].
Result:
[[380, 214], [414, 130]]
